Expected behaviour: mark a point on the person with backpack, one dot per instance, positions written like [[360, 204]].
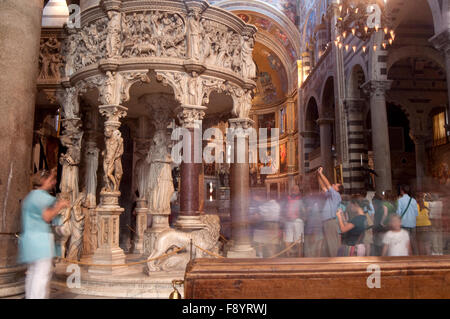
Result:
[[353, 231], [408, 212]]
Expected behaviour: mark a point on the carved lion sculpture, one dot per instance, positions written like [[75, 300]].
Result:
[[171, 239]]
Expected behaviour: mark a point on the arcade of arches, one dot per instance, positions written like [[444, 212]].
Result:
[[134, 71]]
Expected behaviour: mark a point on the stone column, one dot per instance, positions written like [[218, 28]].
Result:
[[142, 213], [421, 158], [309, 138], [191, 117], [240, 189], [291, 143], [357, 145], [441, 42], [141, 176], [91, 157], [326, 154], [380, 133], [19, 19], [108, 211]]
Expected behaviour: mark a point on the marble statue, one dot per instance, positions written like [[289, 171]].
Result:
[[113, 41], [112, 162], [160, 184], [63, 227], [248, 65], [194, 34], [142, 171], [50, 58], [70, 161], [92, 154], [206, 238], [77, 218], [194, 89]]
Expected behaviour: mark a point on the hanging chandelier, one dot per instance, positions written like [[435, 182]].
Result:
[[361, 19]]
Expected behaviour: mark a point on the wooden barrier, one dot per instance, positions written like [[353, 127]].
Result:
[[319, 278]]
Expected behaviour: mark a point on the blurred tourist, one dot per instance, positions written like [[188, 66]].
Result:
[[396, 241], [330, 225], [313, 224], [267, 232], [408, 212], [36, 244], [293, 224], [423, 226], [435, 214]]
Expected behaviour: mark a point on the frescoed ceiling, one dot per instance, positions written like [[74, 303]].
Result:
[[288, 7], [264, 24], [272, 83]]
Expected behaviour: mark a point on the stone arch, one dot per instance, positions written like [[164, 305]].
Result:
[[396, 55], [402, 106], [268, 39], [268, 11], [400, 14], [312, 112], [311, 96], [327, 88]]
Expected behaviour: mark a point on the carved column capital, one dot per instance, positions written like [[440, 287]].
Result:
[[190, 116], [71, 125], [161, 107], [68, 98], [241, 123], [377, 88], [113, 114]]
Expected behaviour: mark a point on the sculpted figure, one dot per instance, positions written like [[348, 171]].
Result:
[[246, 104], [160, 184], [194, 33], [108, 91], [207, 239], [193, 88], [44, 60], [77, 228], [112, 163], [50, 58], [113, 41], [69, 162], [142, 171], [248, 65], [92, 154], [70, 48]]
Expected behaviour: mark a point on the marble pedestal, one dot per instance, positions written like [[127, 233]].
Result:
[[141, 225], [108, 251]]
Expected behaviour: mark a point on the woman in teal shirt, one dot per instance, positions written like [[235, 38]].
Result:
[[36, 243]]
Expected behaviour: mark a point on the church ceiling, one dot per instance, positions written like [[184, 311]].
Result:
[[272, 84]]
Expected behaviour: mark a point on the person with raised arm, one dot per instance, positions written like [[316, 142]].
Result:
[[330, 226]]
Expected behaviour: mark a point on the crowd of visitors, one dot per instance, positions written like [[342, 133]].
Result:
[[330, 223]]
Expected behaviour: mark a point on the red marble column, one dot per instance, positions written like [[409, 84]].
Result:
[[240, 195], [191, 118]]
